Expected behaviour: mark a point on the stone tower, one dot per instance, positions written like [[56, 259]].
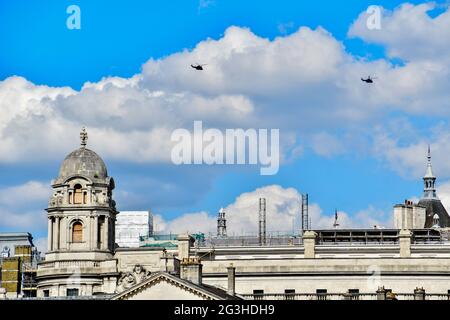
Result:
[[81, 226]]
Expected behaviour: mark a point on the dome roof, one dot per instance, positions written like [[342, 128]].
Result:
[[83, 162]]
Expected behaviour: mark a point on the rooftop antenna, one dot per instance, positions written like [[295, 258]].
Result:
[[305, 218], [335, 224], [262, 221]]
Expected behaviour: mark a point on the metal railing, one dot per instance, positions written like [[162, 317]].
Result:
[[339, 296]]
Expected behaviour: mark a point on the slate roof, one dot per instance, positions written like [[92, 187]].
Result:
[[434, 206]]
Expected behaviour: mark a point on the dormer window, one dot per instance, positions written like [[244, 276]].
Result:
[[435, 220]]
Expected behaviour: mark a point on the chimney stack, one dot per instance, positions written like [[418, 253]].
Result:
[[231, 280], [191, 270]]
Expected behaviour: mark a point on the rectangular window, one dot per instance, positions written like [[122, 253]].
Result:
[[72, 292], [258, 294], [321, 294], [46, 293], [289, 294]]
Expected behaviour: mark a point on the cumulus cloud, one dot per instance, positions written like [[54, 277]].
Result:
[[304, 83], [18, 206], [409, 32], [282, 215]]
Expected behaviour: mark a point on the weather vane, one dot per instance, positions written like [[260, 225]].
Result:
[[83, 137]]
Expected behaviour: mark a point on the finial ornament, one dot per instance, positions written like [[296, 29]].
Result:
[[83, 137], [429, 153]]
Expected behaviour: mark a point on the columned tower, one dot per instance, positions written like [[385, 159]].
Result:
[[81, 225]]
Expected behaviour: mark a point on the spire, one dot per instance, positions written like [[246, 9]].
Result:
[[429, 179], [83, 137], [429, 173]]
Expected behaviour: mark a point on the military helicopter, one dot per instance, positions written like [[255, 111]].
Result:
[[198, 66], [368, 80]]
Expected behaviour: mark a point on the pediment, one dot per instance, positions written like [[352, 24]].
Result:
[[164, 286]]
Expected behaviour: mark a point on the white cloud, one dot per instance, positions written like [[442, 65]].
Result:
[[304, 82], [31, 191], [282, 215], [15, 204], [409, 32]]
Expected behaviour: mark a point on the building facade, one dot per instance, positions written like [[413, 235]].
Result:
[[84, 261]]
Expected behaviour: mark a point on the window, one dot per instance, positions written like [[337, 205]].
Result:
[[435, 220], [258, 294], [78, 195], [46, 293], [321, 294], [72, 292], [289, 294], [77, 232]]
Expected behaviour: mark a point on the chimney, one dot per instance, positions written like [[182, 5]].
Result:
[[231, 280], [191, 270], [185, 242]]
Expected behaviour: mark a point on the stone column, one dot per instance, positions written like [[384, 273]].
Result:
[[95, 230], [309, 244], [63, 233], [56, 234], [50, 234], [405, 243], [105, 233]]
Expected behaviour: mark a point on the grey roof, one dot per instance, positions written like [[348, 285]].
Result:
[[85, 162], [434, 206]]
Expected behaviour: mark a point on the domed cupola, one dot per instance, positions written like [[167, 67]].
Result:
[[83, 162], [81, 209]]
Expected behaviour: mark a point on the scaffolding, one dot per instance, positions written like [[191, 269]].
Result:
[[262, 222]]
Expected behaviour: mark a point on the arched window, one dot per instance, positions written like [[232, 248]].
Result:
[[78, 194], [435, 220], [77, 232]]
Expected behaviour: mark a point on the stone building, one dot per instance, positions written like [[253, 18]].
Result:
[[410, 262]]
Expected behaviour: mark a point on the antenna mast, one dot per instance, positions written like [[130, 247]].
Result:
[[262, 221], [305, 219]]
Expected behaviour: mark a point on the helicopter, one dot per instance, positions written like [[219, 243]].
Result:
[[198, 66], [368, 80]]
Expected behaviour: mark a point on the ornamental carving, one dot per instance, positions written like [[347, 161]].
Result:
[[129, 279]]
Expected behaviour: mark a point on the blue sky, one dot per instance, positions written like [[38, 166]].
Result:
[[117, 39]]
